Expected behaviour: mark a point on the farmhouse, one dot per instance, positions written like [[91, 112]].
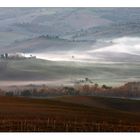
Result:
[[16, 56]]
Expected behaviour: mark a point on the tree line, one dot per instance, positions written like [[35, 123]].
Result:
[[128, 90]]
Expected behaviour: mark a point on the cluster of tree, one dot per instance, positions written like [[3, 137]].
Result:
[[127, 90], [131, 89], [49, 36], [86, 80]]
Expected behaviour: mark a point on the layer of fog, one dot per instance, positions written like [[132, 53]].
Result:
[[98, 52], [9, 85], [129, 45]]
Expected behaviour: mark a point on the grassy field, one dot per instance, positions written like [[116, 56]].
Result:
[[69, 114], [37, 69]]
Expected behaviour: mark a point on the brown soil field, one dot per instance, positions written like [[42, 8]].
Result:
[[69, 114]]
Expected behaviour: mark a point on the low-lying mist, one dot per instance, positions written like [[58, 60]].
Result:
[[129, 45], [100, 52]]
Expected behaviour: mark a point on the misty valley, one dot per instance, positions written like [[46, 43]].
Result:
[[69, 69]]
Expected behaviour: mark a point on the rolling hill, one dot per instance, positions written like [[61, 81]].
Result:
[[47, 115], [46, 44], [106, 48], [43, 70], [102, 102]]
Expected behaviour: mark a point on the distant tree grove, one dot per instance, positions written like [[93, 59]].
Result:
[[127, 90]]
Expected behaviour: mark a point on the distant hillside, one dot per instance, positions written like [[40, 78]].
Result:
[[44, 44], [65, 33], [116, 30], [69, 23], [37, 69]]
